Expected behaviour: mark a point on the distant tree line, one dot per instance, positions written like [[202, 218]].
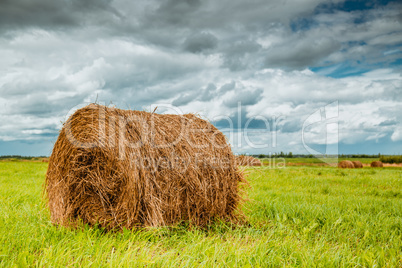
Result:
[[359, 155], [276, 155], [291, 155], [391, 159], [20, 157]]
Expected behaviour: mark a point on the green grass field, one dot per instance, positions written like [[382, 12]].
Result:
[[298, 216]]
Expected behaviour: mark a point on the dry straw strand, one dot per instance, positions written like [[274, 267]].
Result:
[[125, 169], [246, 160]]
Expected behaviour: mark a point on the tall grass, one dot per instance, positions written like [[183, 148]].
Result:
[[297, 216]]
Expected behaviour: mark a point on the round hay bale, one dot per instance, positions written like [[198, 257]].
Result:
[[376, 164], [120, 168], [345, 164], [246, 160], [357, 164]]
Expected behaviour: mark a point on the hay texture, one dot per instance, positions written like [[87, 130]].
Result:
[[345, 164], [246, 160], [376, 164], [357, 164], [120, 168]]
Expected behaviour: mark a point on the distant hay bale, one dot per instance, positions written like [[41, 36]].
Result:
[[246, 160], [345, 164], [120, 168], [357, 164], [376, 164]]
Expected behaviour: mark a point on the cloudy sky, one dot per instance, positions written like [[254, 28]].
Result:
[[300, 76]]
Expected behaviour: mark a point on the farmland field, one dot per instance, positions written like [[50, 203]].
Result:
[[297, 216], [314, 161]]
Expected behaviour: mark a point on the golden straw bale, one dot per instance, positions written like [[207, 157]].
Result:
[[124, 169], [345, 164], [376, 164], [357, 164]]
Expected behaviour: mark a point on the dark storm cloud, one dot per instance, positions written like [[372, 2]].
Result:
[[18, 89], [205, 94], [208, 93], [185, 99], [244, 97], [238, 56], [33, 105], [291, 126], [210, 14], [50, 14], [200, 42], [301, 53], [174, 12], [196, 26], [242, 120], [388, 123], [227, 87]]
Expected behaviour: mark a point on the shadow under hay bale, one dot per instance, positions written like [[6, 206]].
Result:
[[119, 168], [376, 164], [345, 164], [357, 164], [246, 160]]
